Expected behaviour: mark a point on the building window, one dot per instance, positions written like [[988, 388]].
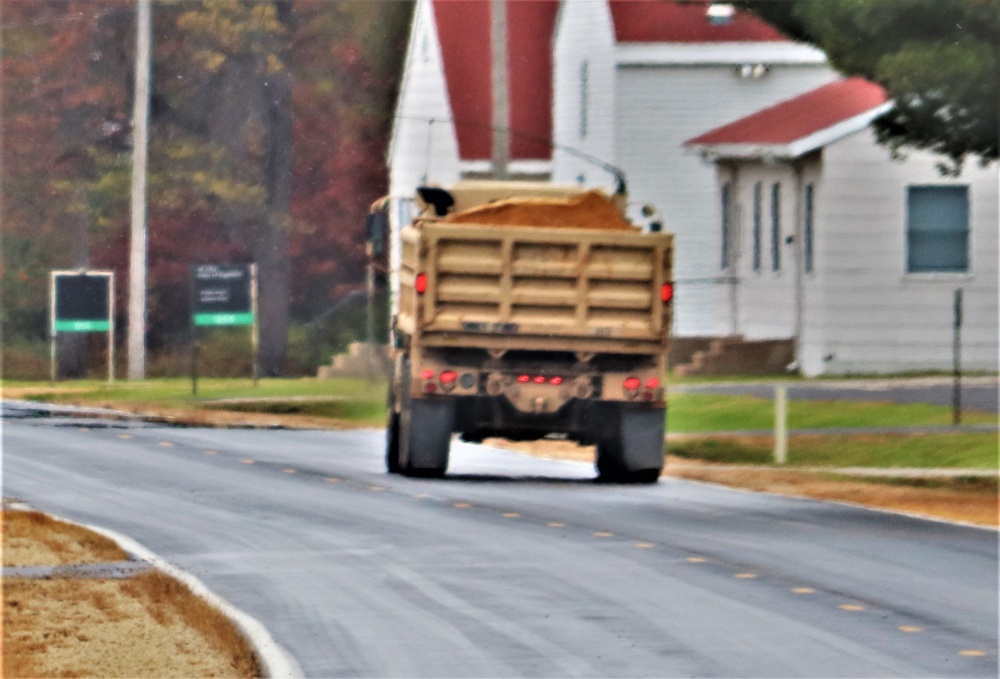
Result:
[[775, 227], [584, 99], [807, 229], [937, 229], [726, 223], [758, 190]]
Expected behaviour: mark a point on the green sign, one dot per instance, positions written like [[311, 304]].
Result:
[[67, 325], [223, 319]]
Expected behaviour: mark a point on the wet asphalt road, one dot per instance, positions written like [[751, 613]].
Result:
[[513, 566]]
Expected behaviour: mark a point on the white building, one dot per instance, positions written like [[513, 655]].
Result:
[[856, 256], [607, 84]]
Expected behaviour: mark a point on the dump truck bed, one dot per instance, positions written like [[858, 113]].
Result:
[[535, 288]]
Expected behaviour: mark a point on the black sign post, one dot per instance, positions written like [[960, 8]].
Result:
[[81, 301], [223, 295]]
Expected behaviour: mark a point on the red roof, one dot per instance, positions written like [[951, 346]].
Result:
[[464, 33], [668, 21], [804, 115]]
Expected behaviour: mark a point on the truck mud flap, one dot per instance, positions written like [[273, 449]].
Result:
[[425, 428], [631, 448]]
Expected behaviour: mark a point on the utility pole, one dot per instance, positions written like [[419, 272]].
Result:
[[140, 155], [501, 116]]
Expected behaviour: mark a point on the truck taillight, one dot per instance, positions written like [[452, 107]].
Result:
[[420, 283], [667, 292], [556, 380], [448, 376], [652, 383], [631, 383], [427, 374], [524, 379]]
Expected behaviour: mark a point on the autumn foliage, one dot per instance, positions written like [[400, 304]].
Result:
[[268, 136]]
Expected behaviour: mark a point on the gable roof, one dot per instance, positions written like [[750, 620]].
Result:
[[463, 28], [650, 21], [796, 126]]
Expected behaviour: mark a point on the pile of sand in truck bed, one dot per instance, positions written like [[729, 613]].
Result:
[[590, 210]]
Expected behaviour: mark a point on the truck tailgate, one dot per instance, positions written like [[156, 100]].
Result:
[[536, 288]]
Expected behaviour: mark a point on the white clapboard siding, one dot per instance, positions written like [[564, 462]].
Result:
[[658, 108], [865, 313]]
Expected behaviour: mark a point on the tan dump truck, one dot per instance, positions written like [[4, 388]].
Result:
[[526, 310]]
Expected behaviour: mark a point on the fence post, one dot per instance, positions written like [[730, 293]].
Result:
[[780, 424]]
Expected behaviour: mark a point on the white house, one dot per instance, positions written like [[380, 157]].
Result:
[[857, 257], [595, 86]]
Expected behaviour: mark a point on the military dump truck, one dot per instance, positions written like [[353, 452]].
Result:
[[526, 310]]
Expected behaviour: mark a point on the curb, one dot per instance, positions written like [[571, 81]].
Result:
[[276, 662]]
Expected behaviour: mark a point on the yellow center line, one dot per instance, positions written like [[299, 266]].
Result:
[[603, 534], [910, 629], [84, 429], [645, 545], [376, 489], [211, 452], [124, 437], [332, 479], [288, 470], [461, 505], [803, 590], [556, 524], [511, 515], [745, 576], [972, 653], [851, 607], [166, 444], [696, 559], [246, 461], [419, 496]]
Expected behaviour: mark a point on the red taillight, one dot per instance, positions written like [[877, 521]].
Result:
[[631, 383], [420, 283], [540, 379], [524, 379], [448, 376], [652, 383], [428, 374], [667, 292], [556, 380]]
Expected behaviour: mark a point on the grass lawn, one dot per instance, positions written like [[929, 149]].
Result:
[[363, 402]]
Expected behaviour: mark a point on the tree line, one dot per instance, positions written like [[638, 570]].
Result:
[[269, 125]]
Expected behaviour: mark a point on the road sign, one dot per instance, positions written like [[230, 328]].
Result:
[[221, 295], [81, 301]]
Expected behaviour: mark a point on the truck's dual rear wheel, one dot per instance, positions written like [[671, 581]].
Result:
[[630, 447], [418, 437]]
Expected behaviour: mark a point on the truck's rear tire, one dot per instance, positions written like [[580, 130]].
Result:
[[425, 436], [630, 447], [392, 443]]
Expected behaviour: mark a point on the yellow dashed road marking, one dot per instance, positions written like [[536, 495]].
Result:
[[332, 479], [166, 444], [972, 653], [556, 524], [246, 461], [745, 576], [645, 545], [124, 437], [289, 470], [375, 488], [461, 505], [211, 452], [696, 559], [910, 629], [511, 515], [603, 534], [419, 496], [851, 607], [803, 590], [82, 429]]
